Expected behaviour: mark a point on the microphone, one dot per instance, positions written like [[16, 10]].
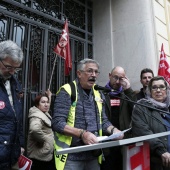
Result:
[[97, 87]]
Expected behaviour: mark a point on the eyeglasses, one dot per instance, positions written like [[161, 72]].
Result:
[[91, 71], [115, 78], [155, 88], [9, 68]]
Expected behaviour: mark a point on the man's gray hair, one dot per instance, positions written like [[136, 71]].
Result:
[[82, 63], [10, 49]]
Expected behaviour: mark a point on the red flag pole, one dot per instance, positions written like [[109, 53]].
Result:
[[62, 49], [52, 72]]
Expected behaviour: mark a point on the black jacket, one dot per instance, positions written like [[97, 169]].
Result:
[[125, 110], [11, 131], [146, 121], [140, 95]]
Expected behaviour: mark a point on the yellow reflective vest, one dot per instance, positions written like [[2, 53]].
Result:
[[62, 141]]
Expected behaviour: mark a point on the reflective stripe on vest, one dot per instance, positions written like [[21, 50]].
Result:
[[63, 141]]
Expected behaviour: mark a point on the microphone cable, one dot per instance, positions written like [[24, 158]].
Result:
[[137, 104], [129, 100]]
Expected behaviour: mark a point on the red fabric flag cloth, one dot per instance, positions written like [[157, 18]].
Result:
[[63, 48], [24, 163], [164, 69]]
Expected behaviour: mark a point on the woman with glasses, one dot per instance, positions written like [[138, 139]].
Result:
[[154, 118]]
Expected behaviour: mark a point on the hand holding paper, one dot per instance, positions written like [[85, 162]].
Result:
[[113, 136]]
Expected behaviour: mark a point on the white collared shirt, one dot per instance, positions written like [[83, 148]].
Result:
[[8, 89]]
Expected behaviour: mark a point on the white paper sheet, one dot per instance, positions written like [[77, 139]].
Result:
[[113, 136]]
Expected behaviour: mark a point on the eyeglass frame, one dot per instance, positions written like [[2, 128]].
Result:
[[91, 71], [10, 67], [163, 88], [115, 78]]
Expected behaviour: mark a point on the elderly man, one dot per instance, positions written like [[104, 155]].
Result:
[[11, 131], [79, 116]]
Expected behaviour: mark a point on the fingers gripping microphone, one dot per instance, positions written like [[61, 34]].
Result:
[[97, 87]]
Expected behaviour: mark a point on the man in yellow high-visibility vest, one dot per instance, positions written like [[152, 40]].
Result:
[[79, 117]]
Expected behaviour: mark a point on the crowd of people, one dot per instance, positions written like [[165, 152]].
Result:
[[80, 115]]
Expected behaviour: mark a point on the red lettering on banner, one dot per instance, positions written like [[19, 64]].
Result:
[[115, 102]]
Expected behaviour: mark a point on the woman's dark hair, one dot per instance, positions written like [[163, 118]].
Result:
[[156, 78], [38, 98]]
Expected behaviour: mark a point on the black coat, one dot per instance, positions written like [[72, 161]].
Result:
[[11, 131], [146, 121], [140, 95], [125, 110]]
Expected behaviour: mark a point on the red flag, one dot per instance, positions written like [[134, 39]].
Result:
[[63, 48], [164, 69], [24, 163]]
